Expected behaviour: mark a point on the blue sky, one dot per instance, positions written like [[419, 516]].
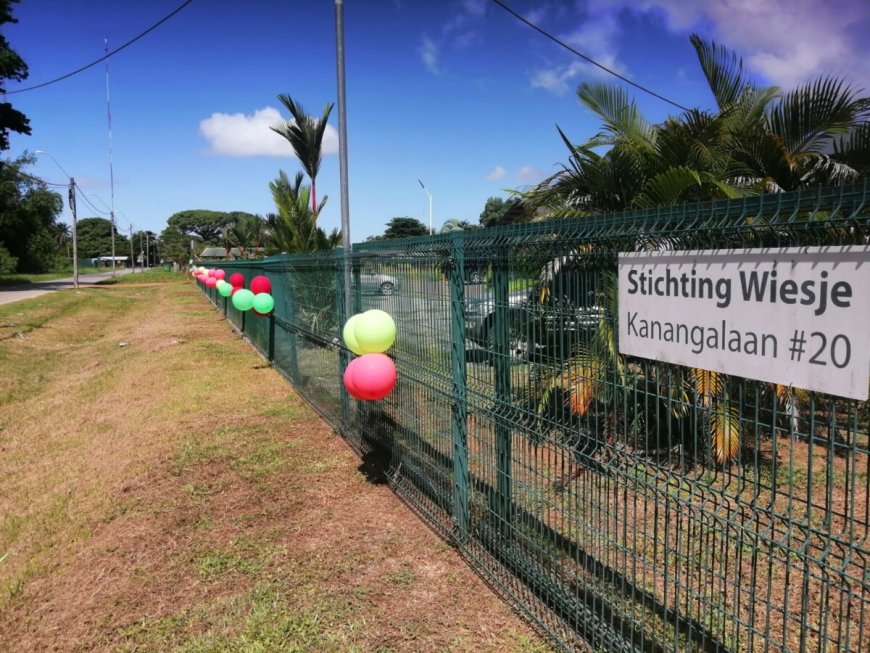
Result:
[[456, 93]]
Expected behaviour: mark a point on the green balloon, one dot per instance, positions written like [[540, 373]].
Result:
[[243, 299], [375, 332], [263, 302], [224, 288], [349, 335]]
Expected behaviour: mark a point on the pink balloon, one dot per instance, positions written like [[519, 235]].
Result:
[[348, 381], [219, 274], [373, 376], [211, 282], [210, 273], [260, 284]]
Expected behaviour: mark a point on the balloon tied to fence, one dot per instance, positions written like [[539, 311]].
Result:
[[258, 298], [368, 335]]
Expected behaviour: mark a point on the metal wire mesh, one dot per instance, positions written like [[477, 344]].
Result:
[[581, 483]]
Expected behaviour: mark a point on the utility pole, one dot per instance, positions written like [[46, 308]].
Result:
[[75, 238], [147, 251], [342, 152], [132, 260]]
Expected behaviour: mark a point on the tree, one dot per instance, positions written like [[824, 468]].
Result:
[[28, 218], [174, 245], [405, 227], [305, 134], [95, 238], [294, 228], [12, 66], [246, 232], [208, 226], [493, 211], [758, 141]]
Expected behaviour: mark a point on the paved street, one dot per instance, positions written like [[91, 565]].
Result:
[[30, 290]]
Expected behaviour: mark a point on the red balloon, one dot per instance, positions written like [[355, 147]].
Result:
[[256, 312], [348, 381], [234, 291], [211, 282], [261, 284], [237, 280], [373, 376]]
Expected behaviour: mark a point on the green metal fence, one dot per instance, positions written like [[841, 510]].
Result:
[[595, 491]]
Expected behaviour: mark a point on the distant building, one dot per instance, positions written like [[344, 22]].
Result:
[[106, 261], [221, 254]]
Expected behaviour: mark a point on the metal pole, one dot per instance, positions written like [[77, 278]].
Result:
[[75, 238], [426, 190], [111, 171], [342, 153], [132, 258]]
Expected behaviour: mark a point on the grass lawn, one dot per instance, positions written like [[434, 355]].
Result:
[[163, 489]]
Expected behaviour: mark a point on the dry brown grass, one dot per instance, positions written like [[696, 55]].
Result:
[[161, 488]]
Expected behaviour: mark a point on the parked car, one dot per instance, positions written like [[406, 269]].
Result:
[[374, 282], [535, 330], [541, 325]]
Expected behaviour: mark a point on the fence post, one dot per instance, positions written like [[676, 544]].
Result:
[[341, 312], [460, 388], [501, 363], [293, 361]]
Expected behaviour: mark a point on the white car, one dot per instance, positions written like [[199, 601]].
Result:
[[374, 282]]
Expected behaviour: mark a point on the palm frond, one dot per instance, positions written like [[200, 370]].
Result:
[[707, 385], [724, 71], [809, 117], [621, 117], [725, 430]]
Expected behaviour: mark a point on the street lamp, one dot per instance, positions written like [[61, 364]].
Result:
[[72, 209], [426, 190]]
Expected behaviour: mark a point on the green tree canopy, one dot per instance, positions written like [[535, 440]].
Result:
[[12, 66], [95, 239], [294, 228], [207, 226], [405, 227], [758, 140], [174, 245], [28, 219]]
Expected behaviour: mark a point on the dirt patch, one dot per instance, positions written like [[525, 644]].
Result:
[[173, 493]]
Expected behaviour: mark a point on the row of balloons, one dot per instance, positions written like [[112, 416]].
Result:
[[258, 298], [370, 376]]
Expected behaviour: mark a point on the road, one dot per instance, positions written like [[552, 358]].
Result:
[[30, 290]]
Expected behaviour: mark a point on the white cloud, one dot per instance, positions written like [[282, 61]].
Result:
[[786, 41], [596, 38], [241, 135], [529, 175], [496, 173], [428, 51]]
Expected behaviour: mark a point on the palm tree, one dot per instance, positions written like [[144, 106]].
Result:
[[759, 140], [245, 232], [294, 228], [305, 134]]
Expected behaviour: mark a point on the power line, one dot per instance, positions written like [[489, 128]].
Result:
[[105, 56], [585, 58], [88, 202], [36, 179]]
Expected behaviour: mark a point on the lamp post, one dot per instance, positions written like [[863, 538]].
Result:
[[426, 190], [72, 208]]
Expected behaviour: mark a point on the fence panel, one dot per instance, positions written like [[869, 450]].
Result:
[[624, 504]]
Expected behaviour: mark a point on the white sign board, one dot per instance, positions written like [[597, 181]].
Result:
[[797, 316]]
